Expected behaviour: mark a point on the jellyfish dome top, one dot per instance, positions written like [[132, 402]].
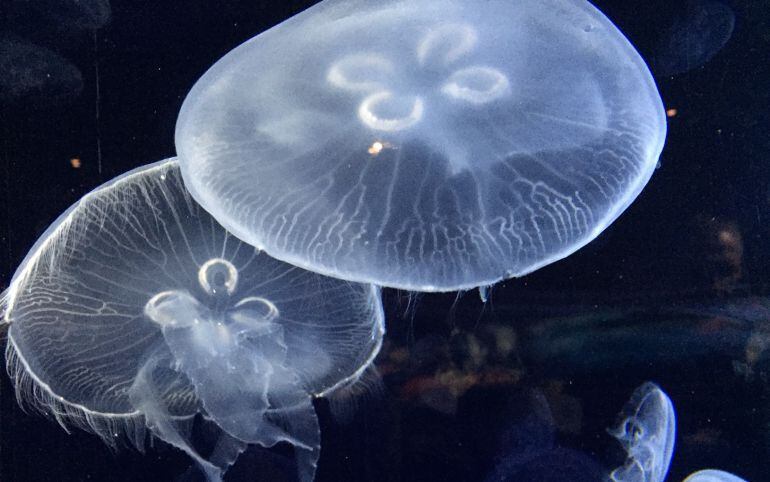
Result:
[[426, 145], [136, 311]]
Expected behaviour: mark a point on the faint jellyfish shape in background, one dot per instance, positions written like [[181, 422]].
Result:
[[529, 451], [711, 475], [720, 245], [82, 14], [646, 430], [696, 37], [431, 145], [34, 75], [136, 310]]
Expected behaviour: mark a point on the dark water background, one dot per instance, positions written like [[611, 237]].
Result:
[[675, 291]]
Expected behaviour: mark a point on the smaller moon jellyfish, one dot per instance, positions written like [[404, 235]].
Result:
[[136, 311], [428, 145], [646, 430], [711, 475]]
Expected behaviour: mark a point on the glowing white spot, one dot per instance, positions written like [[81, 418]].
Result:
[[375, 148]]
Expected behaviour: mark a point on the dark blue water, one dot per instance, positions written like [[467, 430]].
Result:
[[677, 291]]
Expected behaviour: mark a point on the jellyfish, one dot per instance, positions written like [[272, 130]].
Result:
[[712, 475], [424, 145], [35, 75], [703, 30], [530, 451], [646, 430], [82, 14], [137, 312]]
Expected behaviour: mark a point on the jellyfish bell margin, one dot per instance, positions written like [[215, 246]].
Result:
[[136, 311], [424, 145]]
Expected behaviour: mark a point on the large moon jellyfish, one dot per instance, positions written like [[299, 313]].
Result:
[[426, 145], [137, 311]]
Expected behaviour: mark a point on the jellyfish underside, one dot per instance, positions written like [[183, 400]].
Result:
[[235, 357], [137, 311]]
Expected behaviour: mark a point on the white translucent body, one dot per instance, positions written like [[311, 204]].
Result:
[[137, 310], [646, 430], [712, 475], [424, 144]]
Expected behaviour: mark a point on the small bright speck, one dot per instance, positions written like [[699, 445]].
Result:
[[376, 148]]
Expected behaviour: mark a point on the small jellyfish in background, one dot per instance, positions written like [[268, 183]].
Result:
[[529, 451], [712, 476], [425, 145], [646, 430], [136, 311], [703, 29], [82, 14], [34, 75]]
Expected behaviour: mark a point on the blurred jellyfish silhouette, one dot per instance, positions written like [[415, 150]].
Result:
[[34, 75], [646, 430], [136, 311], [721, 246], [703, 29], [424, 145], [529, 451], [81, 14]]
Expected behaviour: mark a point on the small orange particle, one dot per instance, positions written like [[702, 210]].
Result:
[[75, 163], [671, 113], [375, 148]]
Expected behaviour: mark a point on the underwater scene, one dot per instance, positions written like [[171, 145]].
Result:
[[391, 240]]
